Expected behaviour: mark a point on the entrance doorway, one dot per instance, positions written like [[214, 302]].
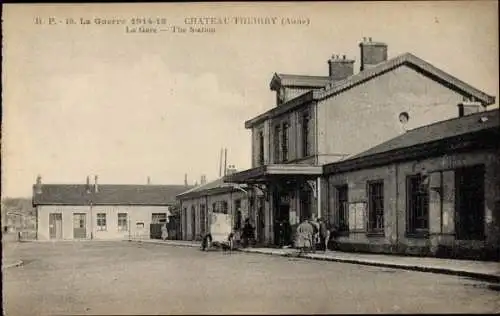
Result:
[[79, 226], [261, 220], [55, 225], [193, 223], [282, 229], [469, 203], [305, 204]]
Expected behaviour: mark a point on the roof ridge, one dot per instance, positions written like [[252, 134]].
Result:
[[453, 119]]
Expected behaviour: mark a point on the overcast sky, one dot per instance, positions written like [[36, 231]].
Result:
[[81, 100]]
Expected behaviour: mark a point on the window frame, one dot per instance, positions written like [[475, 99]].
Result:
[[122, 228], [100, 217], [285, 138], [373, 209], [261, 148], [277, 143], [413, 215], [305, 134], [342, 208]]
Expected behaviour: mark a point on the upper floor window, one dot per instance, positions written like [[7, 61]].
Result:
[[306, 151], [284, 142], [261, 148], [277, 131]]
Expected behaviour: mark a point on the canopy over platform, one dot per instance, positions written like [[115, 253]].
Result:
[[268, 173]]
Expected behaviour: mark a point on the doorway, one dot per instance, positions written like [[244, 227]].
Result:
[[261, 220], [469, 203], [55, 225], [79, 226], [282, 229], [193, 223]]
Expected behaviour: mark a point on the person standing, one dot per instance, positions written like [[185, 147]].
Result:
[[164, 232], [304, 237], [324, 234]]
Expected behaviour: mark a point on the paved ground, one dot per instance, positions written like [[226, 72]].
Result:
[[130, 278]]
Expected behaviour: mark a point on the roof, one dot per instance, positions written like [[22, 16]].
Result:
[[414, 62], [441, 133], [108, 194], [262, 174], [218, 186], [287, 80], [332, 88]]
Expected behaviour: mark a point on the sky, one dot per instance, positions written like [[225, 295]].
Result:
[[92, 99]]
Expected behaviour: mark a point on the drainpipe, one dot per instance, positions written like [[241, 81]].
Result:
[[318, 196], [397, 203], [91, 223]]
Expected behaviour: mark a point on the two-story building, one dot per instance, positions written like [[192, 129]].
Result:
[[325, 119]]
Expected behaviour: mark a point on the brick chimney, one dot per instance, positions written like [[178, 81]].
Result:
[[230, 169], [88, 185], [203, 179], [372, 53], [468, 107], [38, 186], [186, 180], [96, 184], [149, 180], [340, 68]]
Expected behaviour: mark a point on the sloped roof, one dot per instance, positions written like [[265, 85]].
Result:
[[332, 88], [414, 62], [441, 131], [108, 194], [288, 80], [218, 184]]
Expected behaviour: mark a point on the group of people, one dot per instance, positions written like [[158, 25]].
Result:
[[314, 234]]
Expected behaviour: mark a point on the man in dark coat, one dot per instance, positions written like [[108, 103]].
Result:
[[323, 234]]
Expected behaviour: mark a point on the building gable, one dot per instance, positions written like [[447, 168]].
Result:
[[377, 104]]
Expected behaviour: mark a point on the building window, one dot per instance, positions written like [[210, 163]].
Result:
[[158, 218], [101, 221], [417, 207], [376, 206], [203, 218], [122, 222], [224, 207], [220, 207], [342, 207], [261, 148], [284, 142], [305, 135], [277, 131]]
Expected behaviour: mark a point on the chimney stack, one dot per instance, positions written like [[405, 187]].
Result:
[[230, 169], [149, 180], [203, 179], [340, 68], [88, 184], [372, 53], [468, 107], [186, 180], [96, 184], [38, 186]]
